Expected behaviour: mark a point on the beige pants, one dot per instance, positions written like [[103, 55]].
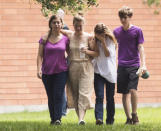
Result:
[[81, 76]]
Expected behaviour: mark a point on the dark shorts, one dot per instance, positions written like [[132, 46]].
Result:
[[126, 79]]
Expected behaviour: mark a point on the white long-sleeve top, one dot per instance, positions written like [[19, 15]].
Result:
[[106, 66]]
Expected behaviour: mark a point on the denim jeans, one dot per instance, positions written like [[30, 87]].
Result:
[[99, 82], [64, 104], [54, 85]]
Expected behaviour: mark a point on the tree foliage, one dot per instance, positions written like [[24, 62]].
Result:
[[73, 6], [155, 3]]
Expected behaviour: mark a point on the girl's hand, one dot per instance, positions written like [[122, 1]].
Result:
[[45, 37], [84, 49], [101, 38], [39, 74], [91, 40]]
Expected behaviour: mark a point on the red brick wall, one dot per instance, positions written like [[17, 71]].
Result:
[[21, 25]]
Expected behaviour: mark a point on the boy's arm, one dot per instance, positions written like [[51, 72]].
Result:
[[142, 57]]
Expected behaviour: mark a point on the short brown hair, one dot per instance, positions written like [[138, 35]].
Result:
[[125, 11]]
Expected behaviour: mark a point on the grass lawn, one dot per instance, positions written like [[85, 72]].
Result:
[[150, 120]]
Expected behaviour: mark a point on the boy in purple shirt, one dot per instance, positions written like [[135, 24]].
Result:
[[130, 52]]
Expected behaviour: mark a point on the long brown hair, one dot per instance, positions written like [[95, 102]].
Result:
[[102, 28], [53, 17]]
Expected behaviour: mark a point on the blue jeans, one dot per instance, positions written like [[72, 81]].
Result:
[[64, 104], [99, 82], [54, 85]]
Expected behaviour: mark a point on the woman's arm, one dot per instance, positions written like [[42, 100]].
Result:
[[92, 50], [39, 60], [45, 37], [66, 32], [67, 49]]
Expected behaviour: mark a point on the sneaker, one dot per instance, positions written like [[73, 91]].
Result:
[[129, 121], [81, 122], [99, 122], [135, 119], [109, 123], [57, 122], [52, 123]]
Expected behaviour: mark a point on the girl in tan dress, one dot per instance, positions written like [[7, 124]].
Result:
[[81, 72]]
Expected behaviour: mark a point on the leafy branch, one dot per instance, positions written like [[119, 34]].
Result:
[[72, 6], [155, 3]]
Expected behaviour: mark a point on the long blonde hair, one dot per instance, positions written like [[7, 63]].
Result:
[[101, 28]]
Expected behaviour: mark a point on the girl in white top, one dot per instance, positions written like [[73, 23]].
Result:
[[105, 72]]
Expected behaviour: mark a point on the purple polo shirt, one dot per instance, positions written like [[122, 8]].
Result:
[[128, 41], [54, 60]]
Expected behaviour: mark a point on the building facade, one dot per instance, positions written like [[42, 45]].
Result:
[[22, 25]]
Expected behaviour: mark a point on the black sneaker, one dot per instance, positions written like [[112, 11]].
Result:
[[81, 122], [128, 121], [52, 123], [109, 123], [99, 122]]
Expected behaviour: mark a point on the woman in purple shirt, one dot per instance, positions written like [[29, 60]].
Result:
[[52, 67]]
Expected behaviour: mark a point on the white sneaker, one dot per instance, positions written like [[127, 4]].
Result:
[[57, 122], [81, 122]]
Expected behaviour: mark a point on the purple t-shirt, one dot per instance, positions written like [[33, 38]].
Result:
[[54, 60], [128, 41]]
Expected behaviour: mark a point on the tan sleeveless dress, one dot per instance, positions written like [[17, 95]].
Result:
[[81, 74]]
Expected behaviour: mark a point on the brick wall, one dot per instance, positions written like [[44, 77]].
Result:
[[21, 25]]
